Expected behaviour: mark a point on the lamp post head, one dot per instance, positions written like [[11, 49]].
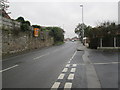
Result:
[[81, 5]]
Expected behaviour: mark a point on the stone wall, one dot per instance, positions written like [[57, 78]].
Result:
[[14, 41], [8, 23]]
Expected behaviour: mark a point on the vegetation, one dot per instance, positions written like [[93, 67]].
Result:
[[107, 31], [78, 30], [103, 30], [36, 26], [57, 33], [4, 4], [25, 25]]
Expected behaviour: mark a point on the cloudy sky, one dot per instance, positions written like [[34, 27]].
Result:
[[65, 14]]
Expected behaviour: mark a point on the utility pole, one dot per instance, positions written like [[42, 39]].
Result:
[[119, 12]]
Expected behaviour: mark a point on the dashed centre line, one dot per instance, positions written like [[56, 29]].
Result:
[[61, 76], [41, 56], [68, 61], [8, 68], [73, 55]]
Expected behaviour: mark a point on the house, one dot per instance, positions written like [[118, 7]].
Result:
[[4, 14], [6, 22]]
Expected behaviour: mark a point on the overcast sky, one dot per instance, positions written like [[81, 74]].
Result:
[[65, 14]]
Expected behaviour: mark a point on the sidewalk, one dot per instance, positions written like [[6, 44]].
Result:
[[81, 47], [108, 48], [91, 74]]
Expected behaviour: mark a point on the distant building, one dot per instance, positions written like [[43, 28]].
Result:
[[67, 39], [119, 12]]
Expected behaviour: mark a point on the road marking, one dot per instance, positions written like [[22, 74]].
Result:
[[73, 55], [9, 68], [41, 56], [101, 63], [61, 76], [56, 85], [108, 63], [67, 65], [68, 61], [65, 70], [73, 70], [68, 86], [71, 76], [74, 65]]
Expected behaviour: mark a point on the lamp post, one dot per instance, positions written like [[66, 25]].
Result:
[[82, 22], [82, 12]]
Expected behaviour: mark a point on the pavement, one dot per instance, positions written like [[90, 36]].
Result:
[[70, 65]]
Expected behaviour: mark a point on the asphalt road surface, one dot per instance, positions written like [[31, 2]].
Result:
[[62, 67]]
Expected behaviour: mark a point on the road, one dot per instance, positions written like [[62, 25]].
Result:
[[62, 67]]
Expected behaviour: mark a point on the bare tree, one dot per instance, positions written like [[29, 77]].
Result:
[[4, 4]]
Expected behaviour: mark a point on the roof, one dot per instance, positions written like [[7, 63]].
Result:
[[4, 14]]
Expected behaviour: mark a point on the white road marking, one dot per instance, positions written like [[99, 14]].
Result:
[[108, 63], [67, 65], [41, 56], [68, 86], [9, 68], [101, 63], [65, 70], [73, 70], [61, 76], [68, 61], [73, 55], [71, 76], [56, 85], [74, 65]]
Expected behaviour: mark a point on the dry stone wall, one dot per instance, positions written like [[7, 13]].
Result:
[[13, 42]]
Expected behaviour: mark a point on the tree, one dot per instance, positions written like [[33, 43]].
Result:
[[57, 33], [36, 26], [28, 23], [4, 4], [79, 30], [25, 25], [20, 19]]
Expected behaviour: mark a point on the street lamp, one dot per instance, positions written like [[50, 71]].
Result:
[[82, 12], [82, 21]]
